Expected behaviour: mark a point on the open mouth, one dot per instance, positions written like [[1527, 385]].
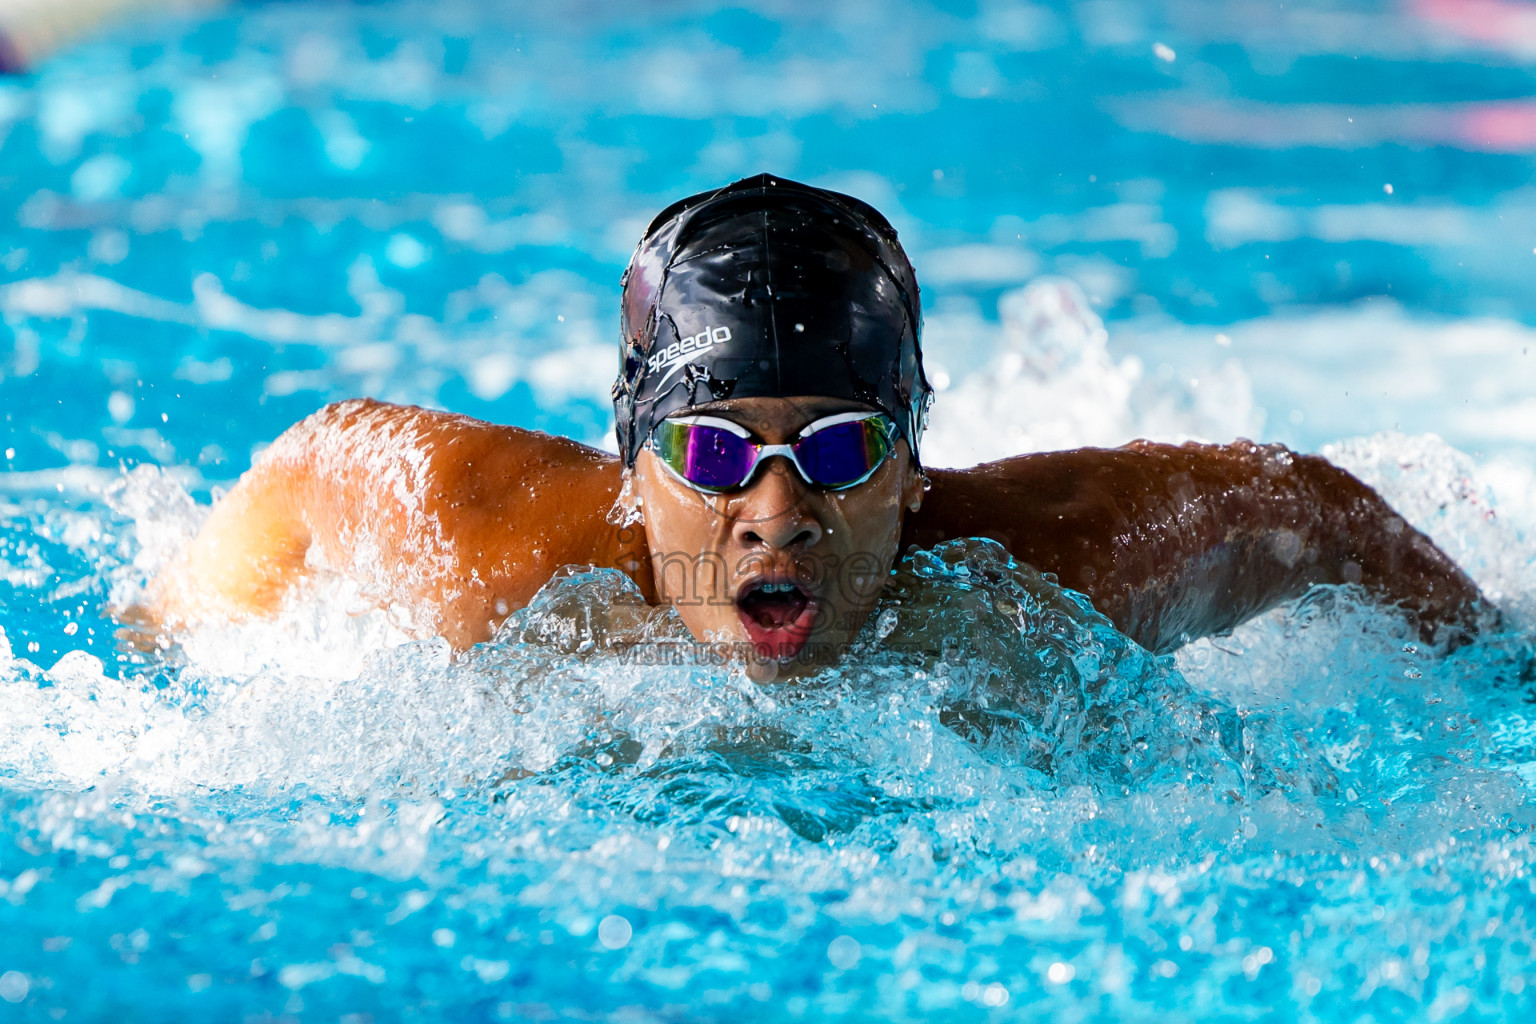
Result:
[[778, 616]]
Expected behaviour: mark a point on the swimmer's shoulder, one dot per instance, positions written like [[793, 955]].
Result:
[[485, 485], [370, 435]]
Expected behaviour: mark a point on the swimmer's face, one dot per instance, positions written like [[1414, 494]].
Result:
[[791, 569]]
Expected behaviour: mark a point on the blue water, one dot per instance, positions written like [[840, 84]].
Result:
[[1310, 224]]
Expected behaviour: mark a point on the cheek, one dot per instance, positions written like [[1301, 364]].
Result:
[[671, 518], [871, 515], [865, 536], [676, 524], [683, 536]]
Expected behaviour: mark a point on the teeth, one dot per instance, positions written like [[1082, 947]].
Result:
[[777, 588]]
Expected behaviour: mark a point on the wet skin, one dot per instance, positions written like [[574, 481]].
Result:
[[454, 522]]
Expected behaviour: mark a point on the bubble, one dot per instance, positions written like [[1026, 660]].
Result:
[[405, 252], [614, 931], [844, 952], [120, 406], [14, 986]]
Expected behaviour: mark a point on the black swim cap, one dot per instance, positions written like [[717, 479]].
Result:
[[768, 288]]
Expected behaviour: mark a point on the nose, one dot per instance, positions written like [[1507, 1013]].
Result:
[[772, 512]]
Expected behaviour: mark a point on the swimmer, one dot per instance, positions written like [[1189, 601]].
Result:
[[770, 409]]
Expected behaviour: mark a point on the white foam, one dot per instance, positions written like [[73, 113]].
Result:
[[164, 518], [1322, 375], [344, 144], [73, 480], [1055, 385], [547, 331], [67, 292], [492, 375], [216, 114], [1237, 217], [99, 178], [1444, 493], [979, 264], [568, 373], [68, 111]]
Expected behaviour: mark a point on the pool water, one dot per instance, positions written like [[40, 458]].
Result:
[[1310, 224]]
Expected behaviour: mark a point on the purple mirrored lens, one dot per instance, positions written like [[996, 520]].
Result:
[[841, 454], [714, 458]]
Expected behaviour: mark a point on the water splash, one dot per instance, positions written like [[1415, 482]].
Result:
[[1053, 384], [1048, 810]]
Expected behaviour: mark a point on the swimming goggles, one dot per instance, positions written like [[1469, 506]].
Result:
[[717, 455]]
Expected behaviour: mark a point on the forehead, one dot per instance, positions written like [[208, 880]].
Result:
[[765, 416]]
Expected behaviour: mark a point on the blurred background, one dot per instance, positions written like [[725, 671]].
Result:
[[1300, 222]]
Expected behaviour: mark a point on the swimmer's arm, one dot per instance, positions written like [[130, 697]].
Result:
[[1177, 542], [451, 520], [247, 555]]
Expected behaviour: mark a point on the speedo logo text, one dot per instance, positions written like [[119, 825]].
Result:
[[677, 353]]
